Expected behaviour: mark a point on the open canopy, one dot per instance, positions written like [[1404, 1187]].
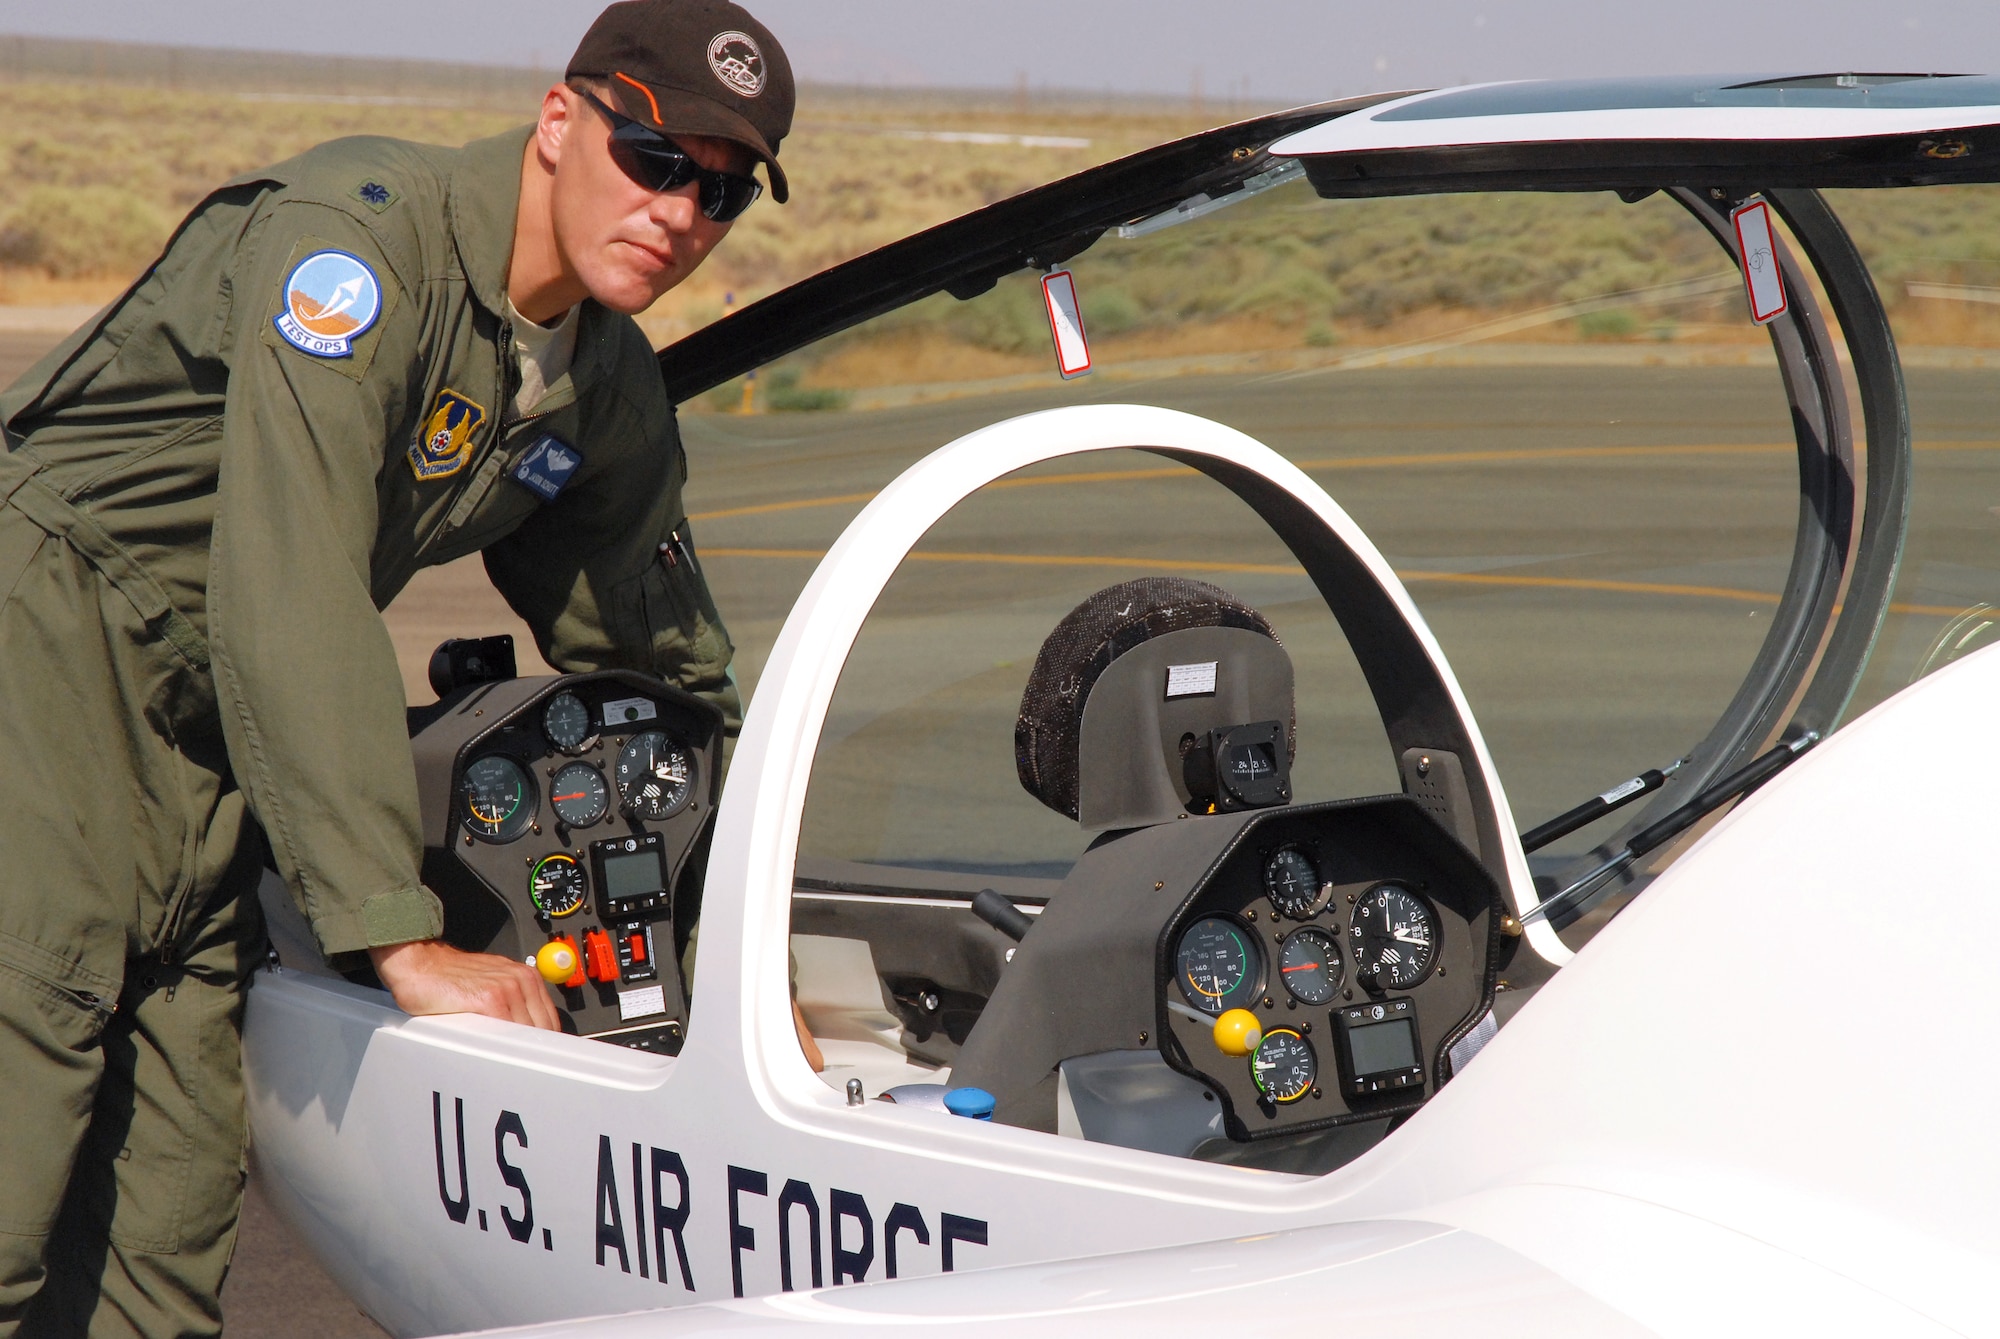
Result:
[[1809, 131], [1737, 134]]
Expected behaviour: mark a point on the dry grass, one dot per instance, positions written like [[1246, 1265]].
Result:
[[95, 171], [129, 161]]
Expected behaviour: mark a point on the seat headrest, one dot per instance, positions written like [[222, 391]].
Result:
[[1048, 734]]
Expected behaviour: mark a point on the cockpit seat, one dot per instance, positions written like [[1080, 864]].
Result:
[[1129, 687], [1129, 683]]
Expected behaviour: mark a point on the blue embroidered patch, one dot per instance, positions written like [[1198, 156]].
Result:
[[546, 466], [331, 298]]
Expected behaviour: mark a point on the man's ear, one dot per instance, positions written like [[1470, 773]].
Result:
[[558, 114]]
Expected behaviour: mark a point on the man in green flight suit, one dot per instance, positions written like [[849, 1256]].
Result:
[[373, 358]]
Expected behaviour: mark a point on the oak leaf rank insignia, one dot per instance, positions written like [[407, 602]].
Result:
[[375, 195], [444, 443]]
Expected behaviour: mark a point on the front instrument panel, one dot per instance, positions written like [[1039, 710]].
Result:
[[566, 807]]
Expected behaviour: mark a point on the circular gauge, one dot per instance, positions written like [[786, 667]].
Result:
[[655, 775], [1283, 1066], [1219, 965], [1395, 937], [1309, 963], [557, 886], [499, 798], [566, 721], [1292, 882], [579, 794]]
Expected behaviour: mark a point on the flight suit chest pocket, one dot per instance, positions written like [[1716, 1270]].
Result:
[[484, 510]]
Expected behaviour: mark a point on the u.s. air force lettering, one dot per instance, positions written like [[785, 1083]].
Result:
[[647, 1204]]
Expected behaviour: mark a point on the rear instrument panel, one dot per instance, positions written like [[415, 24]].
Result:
[[565, 808], [1361, 938]]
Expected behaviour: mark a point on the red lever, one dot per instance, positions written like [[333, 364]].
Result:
[[600, 960], [637, 946]]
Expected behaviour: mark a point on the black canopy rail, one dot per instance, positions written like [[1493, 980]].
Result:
[[1848, 543], [968, 255]]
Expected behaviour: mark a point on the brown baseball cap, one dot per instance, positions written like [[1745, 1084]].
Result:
[[694, 67]]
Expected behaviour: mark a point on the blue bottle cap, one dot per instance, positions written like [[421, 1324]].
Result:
[[974, 1102]]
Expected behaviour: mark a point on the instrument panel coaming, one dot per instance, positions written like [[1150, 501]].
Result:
[[566, 807], [1415, 925]]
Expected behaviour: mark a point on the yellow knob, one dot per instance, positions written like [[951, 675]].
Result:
[[1237, 1032], [556, 961]]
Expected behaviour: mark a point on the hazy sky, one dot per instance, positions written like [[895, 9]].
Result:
[[1291, 50]]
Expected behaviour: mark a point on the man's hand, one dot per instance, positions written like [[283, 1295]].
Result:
[[431, 977]]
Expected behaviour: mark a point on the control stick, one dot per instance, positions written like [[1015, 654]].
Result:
[[1001, 914]]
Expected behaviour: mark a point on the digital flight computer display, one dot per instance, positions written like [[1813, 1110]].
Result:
[[1379, 1047], [631, 875]]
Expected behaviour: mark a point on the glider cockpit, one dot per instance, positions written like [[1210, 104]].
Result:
[[1144, 915]]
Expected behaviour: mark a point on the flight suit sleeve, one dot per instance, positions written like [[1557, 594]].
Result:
[[312, 700], [606, 576]]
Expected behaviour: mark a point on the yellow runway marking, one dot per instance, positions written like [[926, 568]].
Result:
[[1426, 459], [1286, 569], [796, 504]]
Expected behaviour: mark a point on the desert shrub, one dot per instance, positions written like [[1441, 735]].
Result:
[[1610, 323], [82, 231], [726, 398], [783, 394], [1110, 311]]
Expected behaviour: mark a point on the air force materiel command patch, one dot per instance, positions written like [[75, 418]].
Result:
[[546, 466], [331, 298], [444, 443]]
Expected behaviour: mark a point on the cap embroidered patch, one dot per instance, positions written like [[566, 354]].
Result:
[[737, 62], [331, 298], [546, 466], [445, 443], [375, 195]]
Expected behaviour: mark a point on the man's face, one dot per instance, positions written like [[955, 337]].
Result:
[[626, 244]]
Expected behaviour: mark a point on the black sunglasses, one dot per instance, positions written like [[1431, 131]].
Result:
[[657, 163]]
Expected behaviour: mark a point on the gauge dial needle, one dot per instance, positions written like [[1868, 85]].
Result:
[[577, 796], [1303, 967], [1405, 937]]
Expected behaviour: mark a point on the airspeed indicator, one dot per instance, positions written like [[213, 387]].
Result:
[[1219, 965], [497, 799]]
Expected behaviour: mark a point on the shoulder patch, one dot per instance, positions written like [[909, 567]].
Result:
[[546, 466], [331, 297], [444, 443], [375, 195]]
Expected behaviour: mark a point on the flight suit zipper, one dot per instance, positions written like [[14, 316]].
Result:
[[491, 461], [170, 929]]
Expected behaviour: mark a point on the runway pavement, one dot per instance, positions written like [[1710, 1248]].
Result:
[[1597, 548]]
